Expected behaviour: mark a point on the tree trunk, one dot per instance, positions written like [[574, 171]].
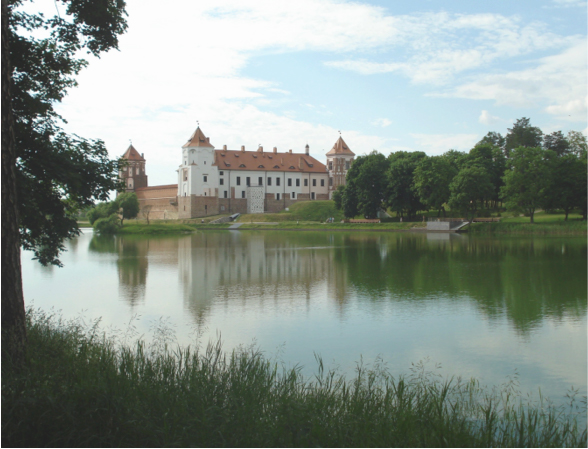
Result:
[[13, 312], [531, 214]]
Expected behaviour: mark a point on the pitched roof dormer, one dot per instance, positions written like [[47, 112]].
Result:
[[198, 139], [132, 154], [340, 148]]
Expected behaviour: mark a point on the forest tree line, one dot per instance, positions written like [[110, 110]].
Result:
[[521, 172]]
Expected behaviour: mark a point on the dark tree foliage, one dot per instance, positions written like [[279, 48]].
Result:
[[557, 143], [567, 184], [493, 161], [522, 134], [468, 189], [47, 174], [338, 197], [493, 138], [402, 195], [59, 172], [371, 182], [432, 178], [527, 180], [457, 159]]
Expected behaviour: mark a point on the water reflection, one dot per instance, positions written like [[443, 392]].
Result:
[[528, 280]]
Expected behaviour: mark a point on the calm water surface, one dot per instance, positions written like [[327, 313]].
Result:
[[482, 307]]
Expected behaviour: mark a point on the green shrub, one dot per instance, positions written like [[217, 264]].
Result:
[[109, 225]]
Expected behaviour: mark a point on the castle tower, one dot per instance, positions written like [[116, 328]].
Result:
[[197, 174], [133, 174], [339, 161]]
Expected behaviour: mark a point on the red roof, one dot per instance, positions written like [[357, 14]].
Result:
[[198, 139], [340, 148], [258, 160], [132, 154]]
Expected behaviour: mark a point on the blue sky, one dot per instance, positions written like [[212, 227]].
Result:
[[398, 75]]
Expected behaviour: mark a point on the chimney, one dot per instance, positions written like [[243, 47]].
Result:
[[242, 147], [260, 149], [275, 150], [307, 148], [224, 148], [300, 166], [290, 151], [143, 155], [208, 140]]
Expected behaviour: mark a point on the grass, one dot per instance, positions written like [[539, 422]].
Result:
[[82, 388], [545, 223]]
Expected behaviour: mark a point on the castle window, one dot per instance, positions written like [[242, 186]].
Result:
[[242, 165], [221, 182], [330, 181], [331, 165], [322, 182], [312, 195], [226, 194], [276, 166], [248, 181], [306, 183], [314, 182], [347, 165], [278, 181], [238, 180], [260, 166], [289, 182], [242, 193], [269, 181], [292, 167], [298, 183], [260, 181], [221, 173], [205, 178], [293, 195], [277, 196]]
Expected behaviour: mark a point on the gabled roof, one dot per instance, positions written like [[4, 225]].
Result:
[[198, 139], [270, 162], [132, 154], [340, 148]]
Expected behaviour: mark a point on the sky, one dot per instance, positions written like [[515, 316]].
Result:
[[424, 75]]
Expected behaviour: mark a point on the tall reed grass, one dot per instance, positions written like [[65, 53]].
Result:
[[83, 388]]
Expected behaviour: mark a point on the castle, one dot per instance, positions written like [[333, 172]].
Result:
[[222, 181]]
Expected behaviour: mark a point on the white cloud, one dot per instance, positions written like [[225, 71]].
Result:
[[382, 122], [436, 144], [557, 83], [487, 119], [441, 45]]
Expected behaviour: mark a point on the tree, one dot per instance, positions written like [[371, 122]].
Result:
[[526, 180], [493, 138], [102, 210], [567, 186], [470, 186], [522, 134], [146, 210], [432, 177], [401, 194], [557, 143], [492, 159], [370, 183], [577, 142], [128, 204], [47, 174]]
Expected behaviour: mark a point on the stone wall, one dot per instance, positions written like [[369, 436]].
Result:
[[159, 202]]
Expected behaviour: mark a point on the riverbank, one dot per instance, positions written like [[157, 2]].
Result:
[[81, 388]]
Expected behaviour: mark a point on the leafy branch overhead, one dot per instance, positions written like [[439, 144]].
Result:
[[57, 173]]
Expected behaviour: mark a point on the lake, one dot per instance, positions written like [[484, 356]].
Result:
[[490, 308]]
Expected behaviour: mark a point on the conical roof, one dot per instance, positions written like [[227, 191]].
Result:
[[198, 139], [340, 148], [132, 154]]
